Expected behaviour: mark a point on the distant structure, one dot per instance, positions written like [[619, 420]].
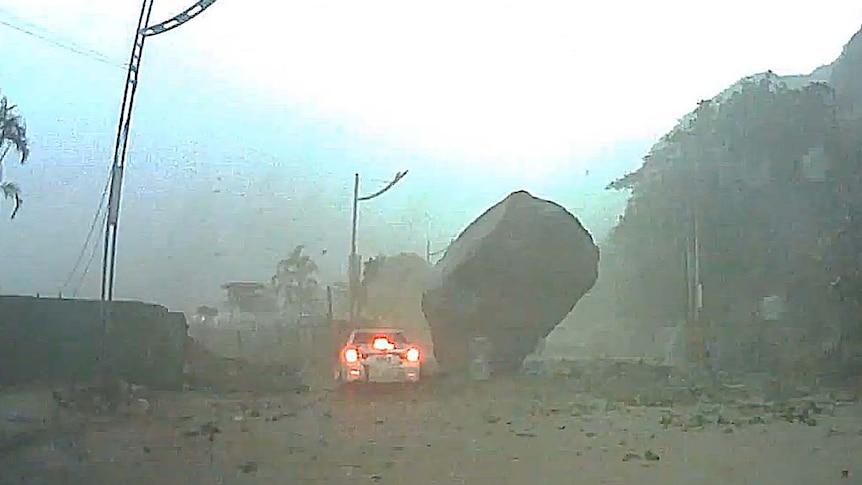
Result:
[[247, 301]]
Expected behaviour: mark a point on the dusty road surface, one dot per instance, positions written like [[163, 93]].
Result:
[[520, 430]]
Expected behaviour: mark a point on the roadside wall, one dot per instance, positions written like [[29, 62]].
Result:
[[58, 340]]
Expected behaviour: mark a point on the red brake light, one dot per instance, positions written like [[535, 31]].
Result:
[[351, 355], [382, 343], [412, 354]]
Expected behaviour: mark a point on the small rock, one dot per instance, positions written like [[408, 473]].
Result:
[[666, 420], [631, 456], [492, 419], [845, 473], [525, 434], [697, 421], [590, 434], [650, 456]]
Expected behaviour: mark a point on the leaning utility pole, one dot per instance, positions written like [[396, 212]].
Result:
[[354, 266], [121, 145], [123, 128]]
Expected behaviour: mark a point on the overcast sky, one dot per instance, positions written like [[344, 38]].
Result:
[[288, 99]]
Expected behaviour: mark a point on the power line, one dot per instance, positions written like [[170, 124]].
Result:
[[89, 236], [69, 46], [89, 261], [97, 56]]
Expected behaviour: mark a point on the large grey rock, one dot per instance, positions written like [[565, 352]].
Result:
[[511, 276]]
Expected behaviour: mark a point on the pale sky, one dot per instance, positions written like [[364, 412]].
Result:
[[252, 119], [493, 80]]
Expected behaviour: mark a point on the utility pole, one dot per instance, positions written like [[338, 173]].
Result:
[[121, 145], [109, 258], [354, 266]]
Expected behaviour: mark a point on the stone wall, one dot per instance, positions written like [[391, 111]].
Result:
[[59, 340]]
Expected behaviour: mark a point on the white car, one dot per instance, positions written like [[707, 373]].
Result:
[[379, 355]]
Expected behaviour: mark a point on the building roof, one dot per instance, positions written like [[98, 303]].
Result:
[[243, 285]]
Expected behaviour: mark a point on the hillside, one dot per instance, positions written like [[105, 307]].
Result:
[[767, 174]]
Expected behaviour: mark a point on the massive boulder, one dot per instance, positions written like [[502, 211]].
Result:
[[511, 276]]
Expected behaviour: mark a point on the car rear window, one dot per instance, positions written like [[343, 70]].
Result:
[[368, 337]]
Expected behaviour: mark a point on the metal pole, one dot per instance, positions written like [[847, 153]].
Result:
[[112, 219], [109, 257], [352, 264], [120, 145], [124, 126]]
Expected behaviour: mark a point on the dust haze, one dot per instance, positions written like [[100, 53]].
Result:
[[624, 250]]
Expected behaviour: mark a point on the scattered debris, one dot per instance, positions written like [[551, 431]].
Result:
[[490, 419], [650, 456]]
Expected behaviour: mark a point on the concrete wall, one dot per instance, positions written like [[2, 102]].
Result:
[[58, 340]]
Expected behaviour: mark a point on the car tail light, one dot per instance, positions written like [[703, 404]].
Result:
[[351, 355], [412, 354]]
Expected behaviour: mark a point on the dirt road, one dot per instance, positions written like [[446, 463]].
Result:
[[506, 431]]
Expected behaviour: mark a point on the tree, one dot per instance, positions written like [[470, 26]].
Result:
[[13, 134], [370, 272], [294, 280], [735, 165]]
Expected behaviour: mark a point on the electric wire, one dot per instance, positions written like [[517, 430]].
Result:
[[68, 46], [96, 56], [93, 253], [89, 238]]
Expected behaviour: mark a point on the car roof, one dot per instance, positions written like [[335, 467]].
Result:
[[378, 330]]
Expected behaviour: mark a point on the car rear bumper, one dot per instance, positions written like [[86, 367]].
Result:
[[380, 373]]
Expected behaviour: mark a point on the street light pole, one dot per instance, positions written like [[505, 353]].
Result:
[[120, 148], [124, 126], [354, 265]]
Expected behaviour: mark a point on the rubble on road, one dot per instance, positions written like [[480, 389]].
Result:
[[208, 371]]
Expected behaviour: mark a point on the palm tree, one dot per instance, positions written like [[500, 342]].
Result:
[[294, 280], [13, 134]]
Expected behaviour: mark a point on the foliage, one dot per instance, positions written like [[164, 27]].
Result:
[[738, 166], [294, 279], [13, 134], [370, 272], [207, 311]]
